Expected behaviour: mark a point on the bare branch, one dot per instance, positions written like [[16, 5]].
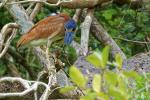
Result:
[[35, 10], [46, 93], [6, 29], [4, 33], [77, 14], [80, 3], [132, 41], [85, 30], [29, 9], [3, 3], [12, 67], [8, 43], [27, 84], [41, 1], [66, 3], [20, 16], [13, 70]]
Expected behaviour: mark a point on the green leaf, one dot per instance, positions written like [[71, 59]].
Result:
[[117, 94], [41, 16], [111, 77], [67, 89], [71, 53], [102, 96], [131, 74], [3, 69], [119, 61], [105, 55], [122, 83], [99, 60], [109, 13], [96, 83], [89, 96], [95, 59], [77, 77]]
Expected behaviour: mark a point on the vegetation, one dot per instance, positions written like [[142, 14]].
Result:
[[110, 84], [130, 28]]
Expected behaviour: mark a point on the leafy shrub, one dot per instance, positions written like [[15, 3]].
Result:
[[115, 84]]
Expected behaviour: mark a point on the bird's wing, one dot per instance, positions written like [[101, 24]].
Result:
[[46, 20], [51, 19], [43, 29]]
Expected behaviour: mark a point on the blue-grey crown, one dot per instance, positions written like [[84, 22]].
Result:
[[70, 24]]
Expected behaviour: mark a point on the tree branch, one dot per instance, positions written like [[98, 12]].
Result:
[[80, 3], [132, 41], [41, 1], [5, 31], [3, 35], [26, 84], [11, 66], [66, 3], [85, 29], [35, 11], [3, 3]]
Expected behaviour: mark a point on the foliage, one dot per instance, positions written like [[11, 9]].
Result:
[[124, 22], [121, 22], [5, 17], [117, 84]]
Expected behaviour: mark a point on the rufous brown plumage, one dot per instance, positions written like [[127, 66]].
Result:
[[48, 27]]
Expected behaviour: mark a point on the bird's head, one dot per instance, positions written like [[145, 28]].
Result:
[[70, 27]]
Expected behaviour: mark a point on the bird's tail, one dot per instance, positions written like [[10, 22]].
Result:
[[23, 40]]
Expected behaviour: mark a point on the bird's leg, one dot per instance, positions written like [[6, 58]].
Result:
[[49, 42], [51, 64], [50, 70]]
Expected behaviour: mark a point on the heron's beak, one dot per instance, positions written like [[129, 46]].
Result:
[[68, 38]]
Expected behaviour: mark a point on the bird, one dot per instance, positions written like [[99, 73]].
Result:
[[50, 28]]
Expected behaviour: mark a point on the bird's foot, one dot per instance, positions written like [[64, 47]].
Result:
[[51, 55]]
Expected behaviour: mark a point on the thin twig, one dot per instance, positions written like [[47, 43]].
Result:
[[3, 3], [139, 42], [29, 9], [26, 84], [11, 66], [8, 43], [41, 1], [77, 15], [4, 32], [35, 10]]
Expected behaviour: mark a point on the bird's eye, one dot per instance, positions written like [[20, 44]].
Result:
[[73, 29]]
